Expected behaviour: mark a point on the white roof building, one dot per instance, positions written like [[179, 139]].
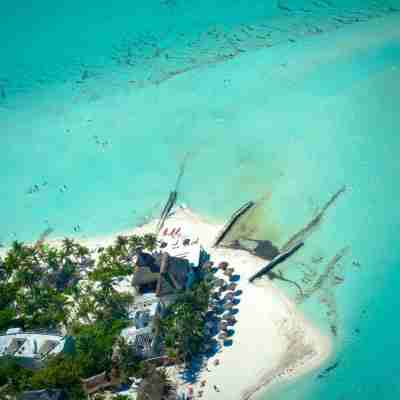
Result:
[[141, 332], [33, 348]]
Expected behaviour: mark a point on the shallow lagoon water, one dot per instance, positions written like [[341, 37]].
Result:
[[289, 123]]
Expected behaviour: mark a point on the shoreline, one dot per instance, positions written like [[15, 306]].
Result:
[[283, 344]]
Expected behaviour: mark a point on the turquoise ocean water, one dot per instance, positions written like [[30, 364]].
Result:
[[285, 102]]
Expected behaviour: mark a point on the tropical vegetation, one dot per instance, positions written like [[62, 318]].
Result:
[[184, 323], [67, 289], [71, 289]]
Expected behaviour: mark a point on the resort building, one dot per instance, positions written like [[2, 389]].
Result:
[[171, 268], [141, 334], [32, 349], [158, 278]]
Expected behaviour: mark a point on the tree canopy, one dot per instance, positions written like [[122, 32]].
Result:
[[66, 287], [183, 325]]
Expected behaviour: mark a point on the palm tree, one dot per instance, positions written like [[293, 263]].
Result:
[[81, 252], [53, 259], [113, 252], [134, 242], [17, 247], [121, 241], [149, 241], [68, 246]]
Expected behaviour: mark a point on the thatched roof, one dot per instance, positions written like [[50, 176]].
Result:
[[174, 276], [144, 276], [169, 273], [153, 387], [100, 381]]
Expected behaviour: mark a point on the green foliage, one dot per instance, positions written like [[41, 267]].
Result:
[[8, 292], [108, 270], [11, 372], [183, 326], [35, 285], [61, 372], [149, 241], [121, 397], [41, 308], [7, 318], [128, 362], [94, 345], [36, 277]]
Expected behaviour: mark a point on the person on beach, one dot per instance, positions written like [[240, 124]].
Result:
[[216, 388]]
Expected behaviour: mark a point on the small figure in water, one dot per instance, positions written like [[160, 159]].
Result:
[[33, 189]]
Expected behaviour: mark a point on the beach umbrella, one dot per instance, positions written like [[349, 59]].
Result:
[[228, 317], [228, 306], [223, 325], [224, 288], [223, 265], [225, 317], [215, 295], [229, 296], [219, 282]]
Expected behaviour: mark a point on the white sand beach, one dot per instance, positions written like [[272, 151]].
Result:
[[272, 342]]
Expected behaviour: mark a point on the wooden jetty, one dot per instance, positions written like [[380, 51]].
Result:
[[166, 210], [235, 216], [277, 260]]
